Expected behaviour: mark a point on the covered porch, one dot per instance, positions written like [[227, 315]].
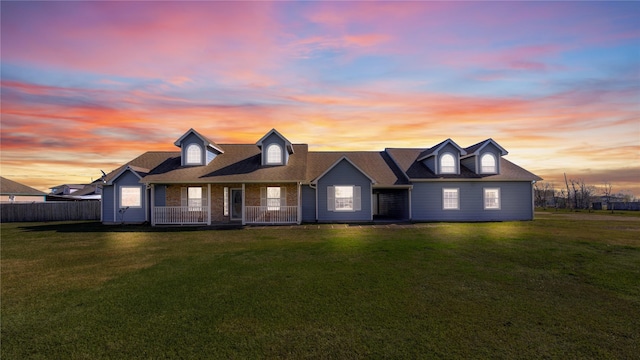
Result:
[[186, 204]]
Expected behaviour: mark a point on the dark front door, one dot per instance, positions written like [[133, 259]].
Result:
[[236, 204]]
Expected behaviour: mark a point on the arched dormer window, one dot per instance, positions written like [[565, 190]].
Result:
[[194, 154], [447, 164], [274, 154], [488, 164]]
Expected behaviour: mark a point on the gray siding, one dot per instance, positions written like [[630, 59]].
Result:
[[515, 199], [344, 174], [133, 215], [107, 203], [211, 154], [160, 195], [308, 204]]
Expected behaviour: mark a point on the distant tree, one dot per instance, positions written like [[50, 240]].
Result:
[[542, 191], [566, 182], [607, 191]]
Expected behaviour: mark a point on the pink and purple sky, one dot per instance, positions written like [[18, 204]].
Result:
[[90, 85]]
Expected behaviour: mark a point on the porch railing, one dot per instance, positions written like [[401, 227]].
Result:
[[271, 214], [180, 214]]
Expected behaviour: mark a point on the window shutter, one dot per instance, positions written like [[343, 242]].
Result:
[[263, 196], [357, 198], [205, 197], [184, 197], [283, 196], [331, 199]]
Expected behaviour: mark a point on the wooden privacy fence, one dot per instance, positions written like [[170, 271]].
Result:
[[50, 211]]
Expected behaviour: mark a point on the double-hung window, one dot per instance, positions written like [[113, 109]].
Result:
[[451, 199], [492, 198], [130, 196], [273, 197], [344, 198], [193, 198]]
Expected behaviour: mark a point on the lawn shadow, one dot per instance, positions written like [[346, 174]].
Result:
[[97, 227]]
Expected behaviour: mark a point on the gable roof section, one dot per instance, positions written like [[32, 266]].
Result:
[[436, 149], [205, 139], [274, 131], [136, 170], [314, 181], [407, 160], [377, 166], [10, 187], [475, 149], [143, 164]]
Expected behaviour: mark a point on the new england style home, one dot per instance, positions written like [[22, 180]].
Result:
[[276, 182]]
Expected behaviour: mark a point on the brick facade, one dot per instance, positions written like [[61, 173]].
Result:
[[216, 198]]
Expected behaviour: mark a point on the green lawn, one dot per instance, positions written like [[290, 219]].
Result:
[[562, 286]]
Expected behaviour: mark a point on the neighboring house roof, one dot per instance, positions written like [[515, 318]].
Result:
[[240, 163], [416, 171], [376, 165], [10, 187]]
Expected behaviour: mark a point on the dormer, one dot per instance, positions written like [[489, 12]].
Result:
[[196, 149], [444, 158], [483, 158], [276, 149]]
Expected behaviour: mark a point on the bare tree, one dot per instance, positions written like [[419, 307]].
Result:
[[568, 202], [607, 191]]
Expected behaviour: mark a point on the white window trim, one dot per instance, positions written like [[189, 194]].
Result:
[[189, 160], [332, 200], [129, 188], [484, 199], [193, 204], [440, 167], [457, 191], [264, 198], [269, 160], [495, 162], [225, 206]]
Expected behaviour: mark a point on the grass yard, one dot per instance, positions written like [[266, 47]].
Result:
[[562, 286]]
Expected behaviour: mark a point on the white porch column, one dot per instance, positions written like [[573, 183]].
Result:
[[244, 220], [209, 204], [153, 205]]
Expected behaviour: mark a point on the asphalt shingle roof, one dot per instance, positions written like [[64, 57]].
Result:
[[241, 163], [377, 165], [406, 159]]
